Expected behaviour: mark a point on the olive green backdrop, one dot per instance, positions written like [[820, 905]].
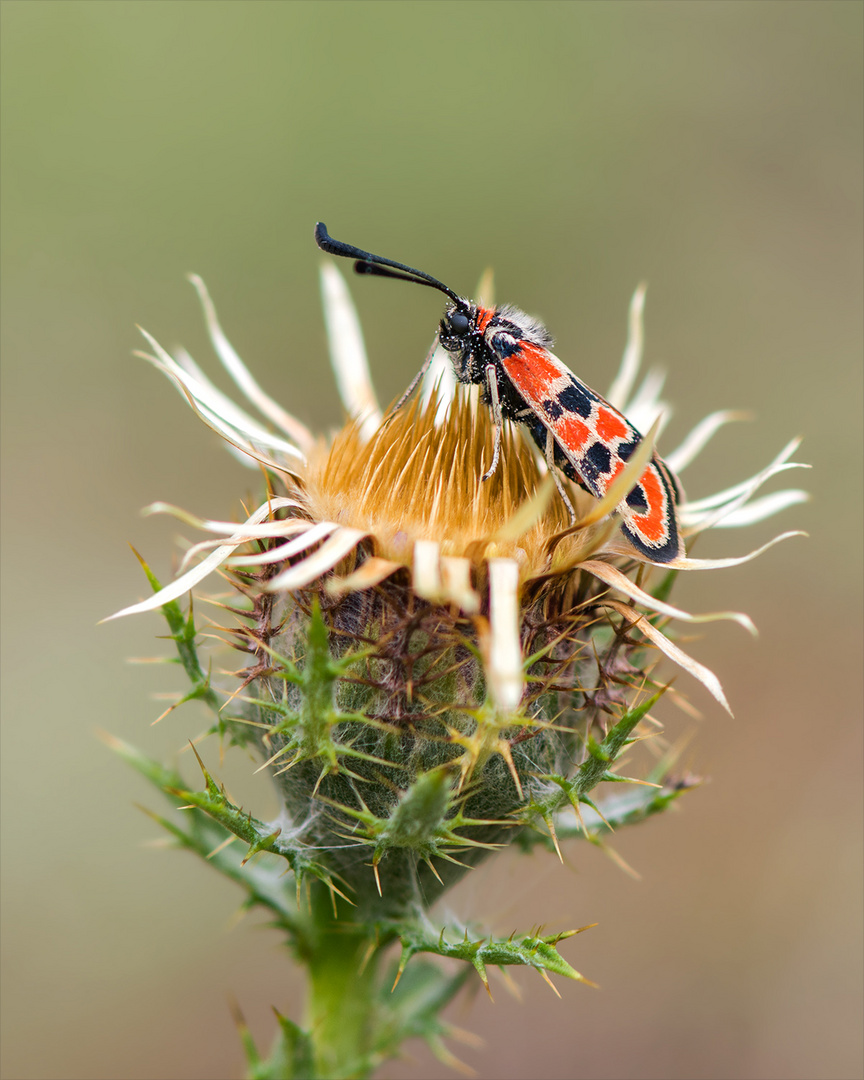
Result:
[[714, 149]]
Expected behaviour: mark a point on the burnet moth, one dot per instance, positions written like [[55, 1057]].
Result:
[[507, 353]]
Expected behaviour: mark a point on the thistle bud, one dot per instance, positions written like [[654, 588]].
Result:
[[437, 662]]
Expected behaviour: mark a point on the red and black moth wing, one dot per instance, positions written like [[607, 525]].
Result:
[[593, 442]]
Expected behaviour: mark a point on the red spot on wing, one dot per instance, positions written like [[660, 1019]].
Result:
[[606, 479], [611, 425], [534, 371], [571, 432], [651, 523], [603, 481]]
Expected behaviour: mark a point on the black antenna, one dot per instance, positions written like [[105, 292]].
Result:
[[366, 263]]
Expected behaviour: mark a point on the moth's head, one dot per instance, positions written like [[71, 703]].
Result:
[[458, 323]]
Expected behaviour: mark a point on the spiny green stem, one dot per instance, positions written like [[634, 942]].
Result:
[[342, 1006]]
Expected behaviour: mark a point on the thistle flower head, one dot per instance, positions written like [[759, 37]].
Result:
[[434, 661]]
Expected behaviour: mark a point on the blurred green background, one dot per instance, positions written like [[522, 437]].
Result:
[[714, 149]]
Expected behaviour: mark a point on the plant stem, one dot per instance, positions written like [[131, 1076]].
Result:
[[343, 992]]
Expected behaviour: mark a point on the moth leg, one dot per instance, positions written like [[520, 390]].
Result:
[[559, 483], [415, 382], [492, 383]]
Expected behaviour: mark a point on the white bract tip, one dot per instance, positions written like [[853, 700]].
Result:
[[606, 572], [620, 389], [426, 570], [242, 376], [348, 352], [318, 563], [207, 566], [440, 379], [646, 406], [504, 665], [699, 437], [707, 677]]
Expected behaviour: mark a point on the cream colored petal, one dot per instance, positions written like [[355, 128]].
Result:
[[778, 465], [209, 394], [289, 529], [192, 577], [456, 584], [284, 551], [699, 438], [440, 380], [699, 509], [504, 663], [710, 518], [758, 509], [622, 548], [318, 563], [484, 294], [348, 352], [222, 405], [258, 438], [620, 581], [243, 377], [270, 451], [244, 433], [720, 564], [229, 528], [242, 456], [427, 570], [647, 405], [707, 677], [620, 389], [371, 573]]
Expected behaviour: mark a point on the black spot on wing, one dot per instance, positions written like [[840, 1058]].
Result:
[[577, 398], [595, 463], [599, 458], [552, 408], [625, 450], [538, 430], [503, 345], [637, 498]]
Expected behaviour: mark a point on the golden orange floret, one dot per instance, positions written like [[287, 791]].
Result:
[[415, 480]]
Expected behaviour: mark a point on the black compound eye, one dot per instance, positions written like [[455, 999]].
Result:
[[457, 324]]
